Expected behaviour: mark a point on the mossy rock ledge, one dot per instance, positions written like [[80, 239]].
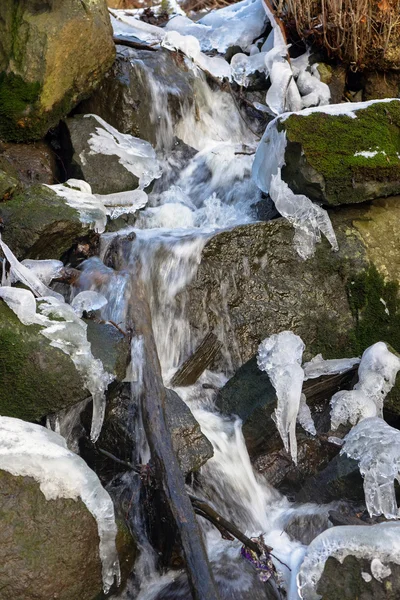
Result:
[[36, 378], [344, 159], [37, 223], [50, 548], [52, 55]]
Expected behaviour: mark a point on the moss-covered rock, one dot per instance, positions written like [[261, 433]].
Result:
[[36, 378], [52, 55], [338, 159], [50, 548], [8, 185], [36, 223]]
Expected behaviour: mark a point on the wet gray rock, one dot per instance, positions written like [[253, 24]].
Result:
[[344, 580], [110, 346], [104, 173], [193, 449], [339, 480], [37, 223], [134, 94]]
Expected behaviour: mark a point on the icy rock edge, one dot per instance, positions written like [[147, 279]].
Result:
[[61, 324], [30, 450], [308, 219], [368, 542]]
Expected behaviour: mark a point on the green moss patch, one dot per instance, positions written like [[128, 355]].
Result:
[[376, 308], [16, 99], [331, 145]]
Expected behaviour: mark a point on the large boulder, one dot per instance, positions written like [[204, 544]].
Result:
[[52, 55], [33, 163], [251, 283], [344, 158], [50, 548], [36, 378], [37, 223], [141, 84]]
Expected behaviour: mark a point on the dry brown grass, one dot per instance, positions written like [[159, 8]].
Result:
[[362, 32]]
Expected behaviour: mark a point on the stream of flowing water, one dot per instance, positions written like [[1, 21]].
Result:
[[198, 195]]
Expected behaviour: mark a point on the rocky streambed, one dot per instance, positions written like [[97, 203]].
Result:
[[162, 205]]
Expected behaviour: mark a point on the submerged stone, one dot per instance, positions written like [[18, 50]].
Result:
[[53, 54]]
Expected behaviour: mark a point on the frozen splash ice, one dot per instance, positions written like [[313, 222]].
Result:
[[376, 377], [318, 366], [308, 219], [366, 542], [376, 447], [280, 357], [29, 450], [136, 155]]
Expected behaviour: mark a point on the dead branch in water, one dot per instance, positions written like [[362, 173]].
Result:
[[198, 362], [166, 468], [118, 41]]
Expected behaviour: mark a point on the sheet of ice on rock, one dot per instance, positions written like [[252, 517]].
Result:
[[30, 450], [215, 65], [125, 23], [93, 209], [377, 543], [238, 24], [136, 155], [308, 219]]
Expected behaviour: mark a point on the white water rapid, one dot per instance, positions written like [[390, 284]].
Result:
[[198, 194]]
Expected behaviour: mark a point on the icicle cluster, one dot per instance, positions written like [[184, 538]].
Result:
[[376, 377], [61, 324]]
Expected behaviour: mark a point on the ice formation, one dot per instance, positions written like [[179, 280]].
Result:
[[372, 542], [29, 450], [376, 377], [280, 357], [24, 274], [46, 270], [234, 25], [93, 209], [308, 218], [87, 301], [125, 24], [67, 332], [350, 407], [136, 155], [318, 366], [376, 447], [190, 46], [78, 195]]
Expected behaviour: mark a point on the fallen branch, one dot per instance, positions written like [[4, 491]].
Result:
[[166, 467], [201, 358], [118, 41]]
